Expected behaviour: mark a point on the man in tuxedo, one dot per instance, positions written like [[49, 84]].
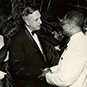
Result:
[[26, 52]]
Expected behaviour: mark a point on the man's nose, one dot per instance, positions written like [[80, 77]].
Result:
[[40, 21]]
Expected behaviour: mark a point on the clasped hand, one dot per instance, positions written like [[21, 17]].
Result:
[[45, 71]]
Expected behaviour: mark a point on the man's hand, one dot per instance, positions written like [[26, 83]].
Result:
[[45, 71]]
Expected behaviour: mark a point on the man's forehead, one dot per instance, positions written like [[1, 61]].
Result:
[[35, 14], [65, 20]]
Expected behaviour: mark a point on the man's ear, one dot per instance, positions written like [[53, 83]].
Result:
[[71, 26], [25, 19]]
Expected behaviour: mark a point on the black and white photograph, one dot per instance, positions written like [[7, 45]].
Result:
[[43, 43]]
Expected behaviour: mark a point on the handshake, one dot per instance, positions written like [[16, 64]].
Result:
[[43, 75]]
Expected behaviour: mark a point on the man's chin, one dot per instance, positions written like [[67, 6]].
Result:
[[38, 28], [64, 33]]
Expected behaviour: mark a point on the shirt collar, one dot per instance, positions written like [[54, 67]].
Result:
[[28, 29], [75, 37]]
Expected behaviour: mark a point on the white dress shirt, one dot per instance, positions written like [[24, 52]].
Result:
[[72, 68], [35, 38]]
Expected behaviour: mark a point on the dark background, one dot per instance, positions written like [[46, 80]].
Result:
[[51, 10], [57, 7]]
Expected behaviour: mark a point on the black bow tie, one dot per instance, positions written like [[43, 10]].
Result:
[[33, 32]]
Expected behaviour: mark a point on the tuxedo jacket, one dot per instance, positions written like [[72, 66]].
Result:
[[26, 60]]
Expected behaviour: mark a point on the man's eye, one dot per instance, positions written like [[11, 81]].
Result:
[[36, 20], [62, 23]]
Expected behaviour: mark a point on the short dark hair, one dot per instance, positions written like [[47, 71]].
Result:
[[75, 16], [28, 10]]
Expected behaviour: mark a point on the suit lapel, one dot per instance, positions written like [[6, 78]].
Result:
[[33, 42], [30, 38], [41, 41]]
